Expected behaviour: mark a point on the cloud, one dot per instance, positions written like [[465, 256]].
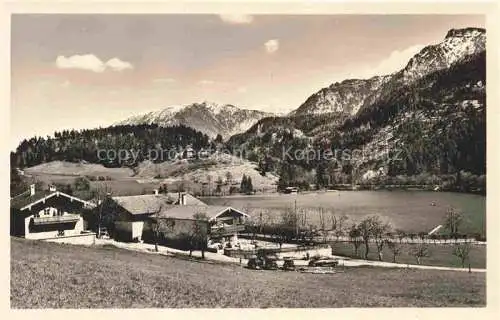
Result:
[[118, 65], [272, 46], [396, 61], [206, 82], [164, 80], [236, 18], [90, 62], [84, 62]]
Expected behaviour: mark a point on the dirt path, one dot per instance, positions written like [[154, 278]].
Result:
[[218, 257]]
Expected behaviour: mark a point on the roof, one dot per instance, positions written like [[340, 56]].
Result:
[[26, 200], [143, 204], [189, 199], [187, 211], [151, 203]]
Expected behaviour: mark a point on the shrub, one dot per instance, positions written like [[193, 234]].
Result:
[[233, 190]]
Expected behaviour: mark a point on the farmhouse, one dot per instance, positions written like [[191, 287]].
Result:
[[134, 218], [49, 215], [177, 224], [224, 222], [125, 216]]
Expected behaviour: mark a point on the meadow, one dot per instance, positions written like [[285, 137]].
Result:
[[48, 275], [439, 254]]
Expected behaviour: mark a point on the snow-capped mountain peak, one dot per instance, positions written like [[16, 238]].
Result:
[[208, 117], [457, 45], [349, 96]]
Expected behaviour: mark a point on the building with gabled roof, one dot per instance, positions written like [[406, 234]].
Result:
[[132, 217], [126, 215], [213, 213], [223, 221], [48, 215]]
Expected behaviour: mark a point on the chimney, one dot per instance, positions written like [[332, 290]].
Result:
[[183, 199], [32, 190], [156, 192], [52, 188]]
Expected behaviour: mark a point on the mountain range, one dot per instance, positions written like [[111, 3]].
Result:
[[349, 96], [433, 110], [207, 117]]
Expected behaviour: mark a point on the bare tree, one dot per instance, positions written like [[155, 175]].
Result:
[[355, 236], [322, 225], [229, 178], [401, 235], [420, 251], [453, 220], [289, 221], [303, 218], [395, 248], [160, 226], [462, 252], [338, 225], [199, 233], [379, 230], [100, 196], [281, 234], [366, 230]]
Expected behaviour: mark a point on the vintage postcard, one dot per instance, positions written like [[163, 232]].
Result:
[[301, 156]]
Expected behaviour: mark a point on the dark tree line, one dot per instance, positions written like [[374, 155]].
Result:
[[246, 185], [74, 145]]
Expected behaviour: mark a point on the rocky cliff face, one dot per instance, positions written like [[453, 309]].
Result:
[[341, 97]]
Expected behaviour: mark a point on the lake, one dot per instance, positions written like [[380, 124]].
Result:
[[407, 210]]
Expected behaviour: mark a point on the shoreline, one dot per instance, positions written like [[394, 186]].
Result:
[[334, 191]]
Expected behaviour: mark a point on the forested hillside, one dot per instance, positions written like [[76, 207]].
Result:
[[92, 145], [429, 130]]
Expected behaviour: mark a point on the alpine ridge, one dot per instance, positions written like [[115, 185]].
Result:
[[207, 117], [431, 113], [349, 96]]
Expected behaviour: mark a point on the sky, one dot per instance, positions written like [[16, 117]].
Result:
[[85, 71]]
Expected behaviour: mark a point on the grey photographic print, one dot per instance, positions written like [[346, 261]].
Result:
[[247, 160]]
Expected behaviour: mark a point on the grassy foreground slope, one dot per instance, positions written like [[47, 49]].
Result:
[[46, 275]]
